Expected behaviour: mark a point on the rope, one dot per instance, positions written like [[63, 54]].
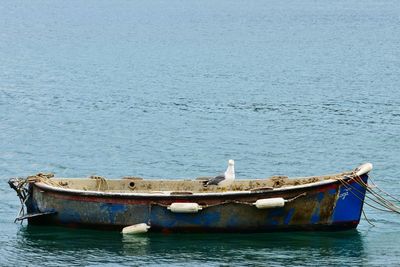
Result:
[[360, 192], [19, 185], [101, 182], [376, 194], [230, 202], [376, 197], [388, 204], [376, 186], [365, 216], [351, 189], [292, 199], [43, 178]]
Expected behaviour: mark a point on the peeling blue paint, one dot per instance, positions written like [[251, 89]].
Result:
[[276, 212], [70, 216], [332, 191], [320, 196], [233, 221], [289, 216], [211, 218], [113, 210], [167, 219], [315, 217]]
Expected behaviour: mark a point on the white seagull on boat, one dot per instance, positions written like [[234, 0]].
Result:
[[227, 178]]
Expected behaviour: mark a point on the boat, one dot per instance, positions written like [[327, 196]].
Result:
[[134, 204]]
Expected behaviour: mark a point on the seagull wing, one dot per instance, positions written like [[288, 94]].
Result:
[[216, 180]]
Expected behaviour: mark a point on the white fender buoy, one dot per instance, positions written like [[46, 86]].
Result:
[[136, 229], [268, 203], [184, 207], [363, 169]]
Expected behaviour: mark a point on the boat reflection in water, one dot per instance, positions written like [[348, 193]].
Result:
[[92, 246]]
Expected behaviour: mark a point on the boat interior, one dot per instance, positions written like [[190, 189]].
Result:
[[177, 186]]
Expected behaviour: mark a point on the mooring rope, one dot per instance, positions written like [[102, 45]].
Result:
[[19, 185], [380, 198], [365, 217], [377, 201], [376, 197], [351, 189], [385, 202], [358, 197], [377, 187]]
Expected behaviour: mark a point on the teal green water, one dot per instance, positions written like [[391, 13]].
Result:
[[169, 89], [64, 245]]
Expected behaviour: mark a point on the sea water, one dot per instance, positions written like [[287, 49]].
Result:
[[173, 89]]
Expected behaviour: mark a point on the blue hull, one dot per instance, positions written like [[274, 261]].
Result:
[[329, 206]]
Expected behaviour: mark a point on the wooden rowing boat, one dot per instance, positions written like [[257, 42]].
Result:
[[329, 202]]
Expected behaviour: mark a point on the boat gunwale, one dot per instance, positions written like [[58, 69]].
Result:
[[166, 195]]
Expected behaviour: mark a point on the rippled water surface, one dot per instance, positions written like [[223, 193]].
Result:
[[175, 88]]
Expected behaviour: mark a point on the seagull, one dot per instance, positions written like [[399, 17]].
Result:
[[225, 179]]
